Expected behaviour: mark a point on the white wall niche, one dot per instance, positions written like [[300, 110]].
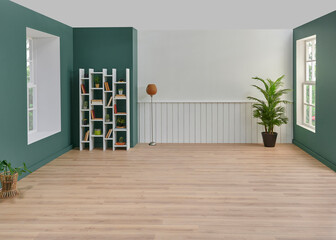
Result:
[[46, 68]]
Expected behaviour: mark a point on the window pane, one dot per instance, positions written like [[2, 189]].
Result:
[[31, 120], [31, 97], [314, 49], [313, 71], [309, 71], [313, 116], [28, 72], [306, 114], [309, 50], [313, 94], [306, 94]]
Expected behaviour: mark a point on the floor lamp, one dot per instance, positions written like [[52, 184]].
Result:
[[151, 90]]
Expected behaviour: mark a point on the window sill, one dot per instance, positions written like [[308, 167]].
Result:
[[37, 136], [306, 127]]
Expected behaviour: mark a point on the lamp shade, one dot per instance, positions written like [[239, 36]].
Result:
[[151, 89]]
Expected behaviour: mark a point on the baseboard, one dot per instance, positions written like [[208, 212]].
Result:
[[46, 160], [315, 155]]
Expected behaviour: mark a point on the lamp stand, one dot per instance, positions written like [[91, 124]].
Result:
[[152, 143]]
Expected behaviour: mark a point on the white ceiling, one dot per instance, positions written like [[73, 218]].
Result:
[[183, 14]]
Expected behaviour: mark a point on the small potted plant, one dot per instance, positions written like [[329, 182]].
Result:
[[9, 177], [121, 141], [97, 81], [269, 111], [97, 132], [107, 117], [121, 122], [85, 104], [120, 91]]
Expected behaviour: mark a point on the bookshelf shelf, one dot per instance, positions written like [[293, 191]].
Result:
[[120, 129], [97, 116], [96, 135]]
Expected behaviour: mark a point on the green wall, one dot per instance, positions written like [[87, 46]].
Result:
[[109, 48], [13, 91], [321, 144]]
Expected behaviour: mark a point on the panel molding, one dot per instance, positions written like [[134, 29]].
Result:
[[205, 122]]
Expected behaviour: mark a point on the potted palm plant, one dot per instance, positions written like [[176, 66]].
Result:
[[270, 110], [9, 177]]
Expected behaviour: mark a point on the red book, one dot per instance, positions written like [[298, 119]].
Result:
[[83, 88], [93, 116], [115, 108]]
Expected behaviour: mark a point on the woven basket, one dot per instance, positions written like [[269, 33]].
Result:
[[8, 183]]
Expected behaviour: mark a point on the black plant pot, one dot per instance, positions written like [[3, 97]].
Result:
[[269, 138]]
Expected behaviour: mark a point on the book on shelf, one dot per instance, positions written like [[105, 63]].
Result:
[[110, 101], [108, 135], [120, 96], [86, 137], [115, 108], [93, 115], [97, 101], [83, 88], [107, 87]]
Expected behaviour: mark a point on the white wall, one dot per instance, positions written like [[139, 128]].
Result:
[[203, 79], [211, 65]]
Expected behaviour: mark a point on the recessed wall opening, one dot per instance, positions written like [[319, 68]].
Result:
[[43, 85]]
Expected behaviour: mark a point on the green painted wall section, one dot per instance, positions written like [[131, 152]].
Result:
[[109, 48], [13, 89], [321, 144]]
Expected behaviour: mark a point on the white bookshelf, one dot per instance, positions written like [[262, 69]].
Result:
[[116, 133], [103, 124]]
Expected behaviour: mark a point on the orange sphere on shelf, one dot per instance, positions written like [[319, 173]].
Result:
[[151, 89]]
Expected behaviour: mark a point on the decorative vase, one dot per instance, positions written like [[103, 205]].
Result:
[[8, 183], [269, 139], [97, 85], [120, 91]]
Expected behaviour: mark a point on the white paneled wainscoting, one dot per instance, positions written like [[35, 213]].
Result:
[[205, 122]]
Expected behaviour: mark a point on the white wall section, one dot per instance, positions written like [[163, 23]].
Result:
[[211, 65]]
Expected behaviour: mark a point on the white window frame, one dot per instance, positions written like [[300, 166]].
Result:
[[309, 83], [31, 85]]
